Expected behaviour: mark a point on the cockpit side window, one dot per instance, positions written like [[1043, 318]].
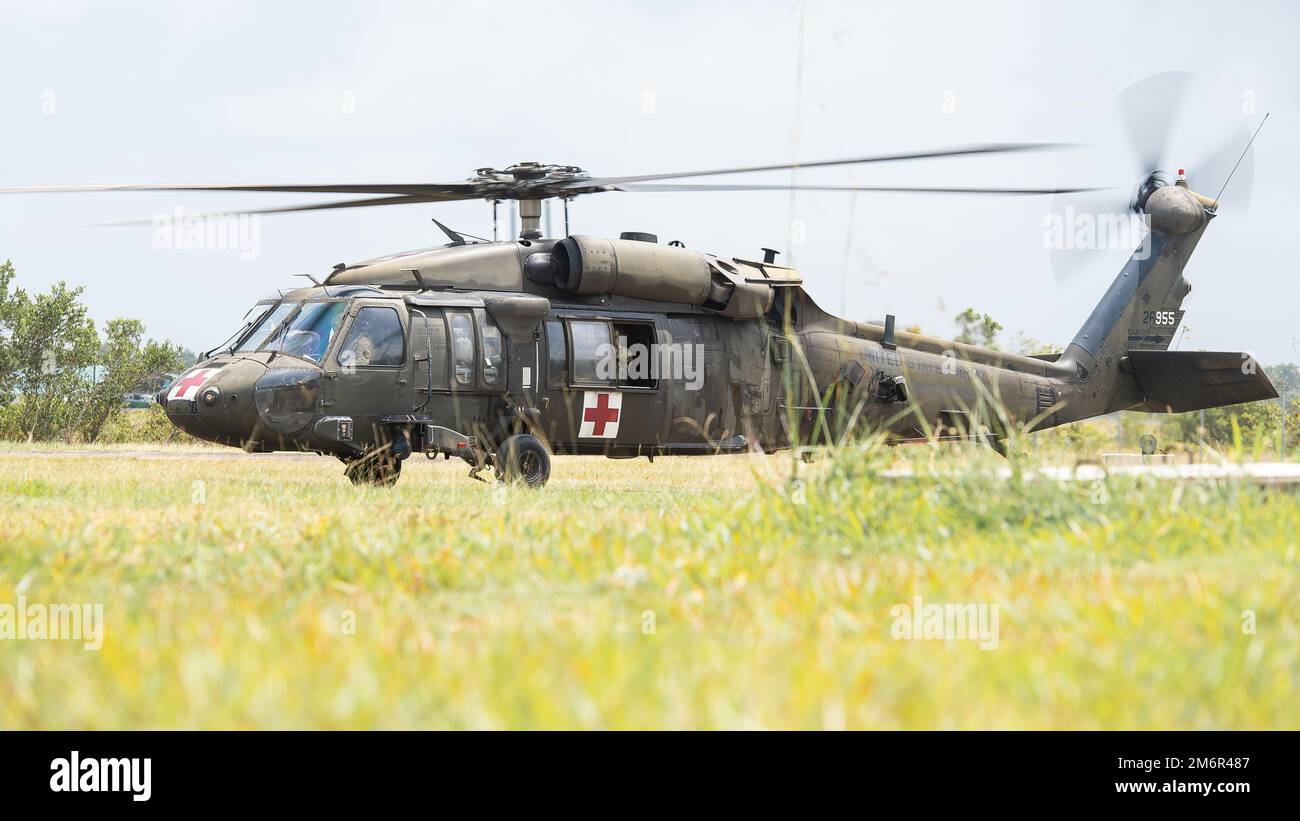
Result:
[[374, 340]]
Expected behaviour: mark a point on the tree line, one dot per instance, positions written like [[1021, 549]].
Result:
[[63, 378]]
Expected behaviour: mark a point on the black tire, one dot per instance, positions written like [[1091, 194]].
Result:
[[378, 469], [523, 459]]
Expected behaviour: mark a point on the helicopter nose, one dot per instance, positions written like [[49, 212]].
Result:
[[215, 402]]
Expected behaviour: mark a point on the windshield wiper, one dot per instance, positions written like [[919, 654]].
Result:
[[229, 345], [279, 341], [283, 331], [234, 340]]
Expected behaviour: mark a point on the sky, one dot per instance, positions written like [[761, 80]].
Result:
[[339, 92]]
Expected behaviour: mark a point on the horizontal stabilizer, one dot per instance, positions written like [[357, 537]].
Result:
[[1179, 381]]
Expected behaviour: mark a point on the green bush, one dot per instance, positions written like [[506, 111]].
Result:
[[60, 379]]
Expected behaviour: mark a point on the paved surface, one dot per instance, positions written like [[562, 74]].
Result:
[[232, 453], [1264, 473]]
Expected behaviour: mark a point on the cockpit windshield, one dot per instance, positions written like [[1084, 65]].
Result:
[[270, 322], [309, 333], [251, 318]]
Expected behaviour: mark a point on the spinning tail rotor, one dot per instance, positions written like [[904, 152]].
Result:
[[1151, 111]]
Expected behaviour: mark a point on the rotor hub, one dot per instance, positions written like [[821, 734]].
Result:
[[526, 180], [1148, 186]]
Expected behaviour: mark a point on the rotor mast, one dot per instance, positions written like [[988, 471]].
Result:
[[530, 218], [528, 183]]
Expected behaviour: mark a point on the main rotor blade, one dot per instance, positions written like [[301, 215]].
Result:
[[958, 151], [320, 206], [668, 187], [402, 189]]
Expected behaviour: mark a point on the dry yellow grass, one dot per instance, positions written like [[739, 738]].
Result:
[[269, 592]]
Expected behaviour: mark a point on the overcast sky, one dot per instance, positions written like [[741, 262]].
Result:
[[404, 92]]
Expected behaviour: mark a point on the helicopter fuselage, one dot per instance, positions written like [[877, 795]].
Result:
[[628, 348], [457, 370]]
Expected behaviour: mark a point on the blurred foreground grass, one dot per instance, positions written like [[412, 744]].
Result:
[[695, 593]]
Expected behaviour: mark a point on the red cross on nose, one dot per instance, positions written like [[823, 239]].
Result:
[[192, 381]]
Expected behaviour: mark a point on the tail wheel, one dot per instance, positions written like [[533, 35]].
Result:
[[378, 469], [523, 458]]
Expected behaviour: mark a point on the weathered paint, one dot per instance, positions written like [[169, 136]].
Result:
[[790, 374]]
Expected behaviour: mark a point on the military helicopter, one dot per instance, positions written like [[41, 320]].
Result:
[[503, 352]]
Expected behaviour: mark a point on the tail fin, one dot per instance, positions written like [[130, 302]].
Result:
[[1142, 308]]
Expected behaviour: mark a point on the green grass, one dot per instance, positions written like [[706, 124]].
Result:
[[482, 607]]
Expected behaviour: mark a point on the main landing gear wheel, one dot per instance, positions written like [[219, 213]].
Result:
[[376, 469], [523, 458]]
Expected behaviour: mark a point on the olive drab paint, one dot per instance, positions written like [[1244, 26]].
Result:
[[500, 353], [498, 339]]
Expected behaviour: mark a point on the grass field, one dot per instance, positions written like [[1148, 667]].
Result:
[[261, 592]]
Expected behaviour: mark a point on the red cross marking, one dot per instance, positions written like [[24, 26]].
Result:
[[191, 381], [600, 415]]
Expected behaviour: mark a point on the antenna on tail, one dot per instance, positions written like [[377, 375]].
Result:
[[1215, 204]]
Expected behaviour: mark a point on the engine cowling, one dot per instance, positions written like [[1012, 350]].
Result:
[[592, 266]]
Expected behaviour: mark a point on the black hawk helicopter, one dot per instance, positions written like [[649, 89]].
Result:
[[502, 352]]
